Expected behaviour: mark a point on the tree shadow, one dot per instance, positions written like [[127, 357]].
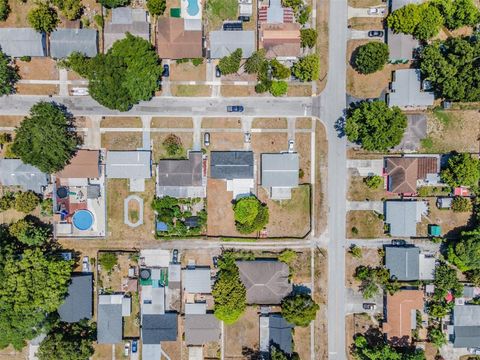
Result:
[[252, 354]]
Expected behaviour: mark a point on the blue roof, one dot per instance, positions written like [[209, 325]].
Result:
[[161, 226]]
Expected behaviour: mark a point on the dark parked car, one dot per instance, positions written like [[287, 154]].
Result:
[[166, 70], [218, 73], [134, 346], [369, 306], [235, 108], [175, 256], [215, 261], [375, 33], [399, 242], [244, 18]]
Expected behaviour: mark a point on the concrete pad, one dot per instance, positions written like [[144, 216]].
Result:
[[367, 167]]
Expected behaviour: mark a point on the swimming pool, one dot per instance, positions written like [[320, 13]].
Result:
[[82, 219], [193, 7]]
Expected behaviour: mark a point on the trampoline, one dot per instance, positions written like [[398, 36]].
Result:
[[82, 219], [62, 192]]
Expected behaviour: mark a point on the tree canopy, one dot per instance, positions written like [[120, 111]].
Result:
[[461, 170], [45, 138], [299, 309], [255, 62], [279, 88], [229, 293], [110, 4], [43, 18], [8, 75], [308, 37], [67, 341], [156, 7], [380, 350], [457, 13], [250, 215], [375, 126], [4, 10], [453, 68], [465, 252], [26, 201], [28, 233], [445, 281], [127, 74], [231, 63], [71, 9], [307, 68], [371, 57]]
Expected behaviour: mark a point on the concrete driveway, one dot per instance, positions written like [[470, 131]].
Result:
[[366, 12], [355, 302], [363, 35], [366, 205], [366, 167]]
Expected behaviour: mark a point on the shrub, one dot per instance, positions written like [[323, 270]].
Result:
[[7, 201], [43, 18], [373, 181], [354, 230], [287, 256], [230, 64], [304, 15], [47, 207], [278, 88], [279, 71], [28, 233], [262, 87], [308, 37], [299, 309], [307, 68], [26, 201], [5, 138], [301, 173], [371, 57], [173, 145], [197, 61], [461, 204], [156, 7], [355, 251], [255, 62], [99, 20], [250, 215], [26, 58], [110, 4], [108, 261], [4, 10]]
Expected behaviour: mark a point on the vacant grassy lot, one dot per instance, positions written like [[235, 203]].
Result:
[[121, 122], [269, 123], [131, 323], [243, 335], [122, 140], [117, 191], [40, 68], [238, 91], [221, 123], [303, 148], [299, 90], [36, 89], [288, 218], [160, 122], [453, 130], [187, 72], [219, 10], [191, 90], [159, 151], [225, 141], [359, 191], [269, 142], [366, 23], [103, 351], [367, 223], [303, 123], [370, 257]]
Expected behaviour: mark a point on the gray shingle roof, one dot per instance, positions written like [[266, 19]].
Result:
[[231, 165], [466, 336], [266, 281], [157, 328], [401, 46], [403, 262], [406, 90], [175, 177], [129, 165], [126, 19], [466, 321], [13, 172], [78, 303], [280, 333], [18, 42], [223, 43], [466, 315], [280, 170], [201, 329], [63, 42], [402, 217], [109, 323], [197, 281]]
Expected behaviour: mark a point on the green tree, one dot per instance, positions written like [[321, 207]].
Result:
[[373, 181], [7, 201], [287, 256], [250, 215], [26, 201], [355, 251], [461, 170], [430, 24], [45, 139], [277, 354], [371, 57], [108, 260], [464, 252], [405, 19], [458, 13], [8, 75], [303, 15], [110, 4], [255, 62], [380, 350], [436, 336], [173, 145], [71, 9], [279, 71], [28, 233], [230, 64], [156, 7], [229, 293], [299, 309], [43, 18], [308, 37], [461, 204], [453, 68], [4, 10], [375, 126], [307, 68], [278, 88], [68, 341], [32, 287]]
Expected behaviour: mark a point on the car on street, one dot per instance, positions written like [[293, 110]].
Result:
[[175, 256], [235, 108], [369, 306], [247, 137], [399, 242], [134, 346], [474, 351], [215, 261], [291, 144], [85, 264], [218, 73], [206, 139], [375, 33], [166, 71], [126, 349]]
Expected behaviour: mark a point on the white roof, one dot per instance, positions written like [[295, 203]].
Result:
[[223, 43], [152, 300], [406, 90], [195, 353], [196, 308], [197, 281], [129, 165]]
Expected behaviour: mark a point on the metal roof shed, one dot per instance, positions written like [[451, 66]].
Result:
[[63, 42], [19, 42]]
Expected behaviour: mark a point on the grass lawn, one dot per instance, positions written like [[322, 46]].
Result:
[[163, 122], [303, 148], [18, 14], [39, 68], [299, 90], [121, 122], [219, 10], [159, 151], [269, 123], [359, 191], [187, 72], [269, 142], [303, 123], [242, 335], [10, 121], [131, 324], [191, 90], [36, 89], [364, 3], [367, 223], [122, 140], [222, 123], [366, 23], [323, 10], [238, 90]]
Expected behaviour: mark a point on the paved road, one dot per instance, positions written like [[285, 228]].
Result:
[[168, 106]]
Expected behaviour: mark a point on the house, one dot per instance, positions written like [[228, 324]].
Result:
[[275, 331], [18, 42], [64, 42], [401, 315], [197, 280], [111, 308], [159, 327], [201, 329], [14, 172], [136, 166], [126, 20], [245, 8], [406, 263], [84, 165], [236, 167], [182, 178], [406, 91], [466, 326], [407, 172], [223, 43], [174, 41], [403, 216], [280, 41], [274, 13], [78, 303], [280, 174], [266, 281]]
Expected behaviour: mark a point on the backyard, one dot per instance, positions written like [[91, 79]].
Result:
[[242, 337], [219, 10]]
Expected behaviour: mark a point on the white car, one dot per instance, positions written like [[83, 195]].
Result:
[[85, 264], [291, 144], [376, 11], [247, 137], [126, 350], [474, 351]]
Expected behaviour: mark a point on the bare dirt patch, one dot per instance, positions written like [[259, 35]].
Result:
[[72, 75], [159, 122], [320, 296], [221, 123], [371, 85], [299, 90], [18, 14], [369, 257], [366, 23], [269, 123], [321, 152], [41, 68], [187, 72], [191, 90], [303, 147], [243, 335], [367, 223], [301, 340], [121, 140], [238, 91], [303, 123], [121, 122], [159, 151], [102, 351], [36, 89], [10, 121], [269, 142], [220, 141]]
